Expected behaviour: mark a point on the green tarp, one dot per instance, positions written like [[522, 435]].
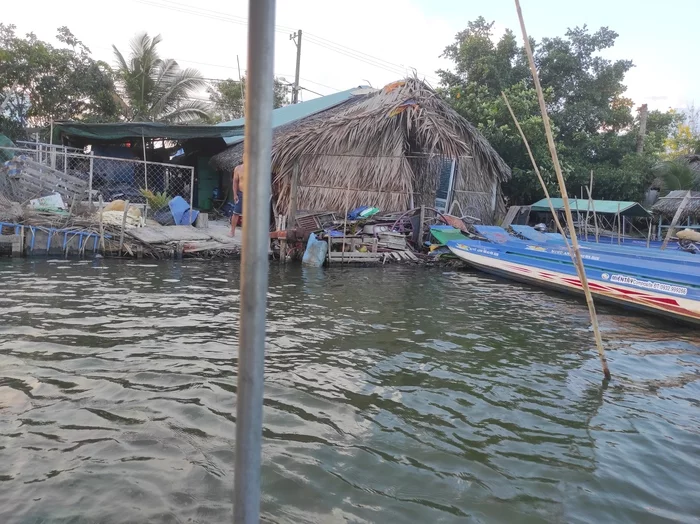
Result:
[[443, 234], [123, 131], [605, 207]]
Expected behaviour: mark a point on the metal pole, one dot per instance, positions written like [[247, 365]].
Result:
[[92, 167], [145, 165], [254, 259], [191, 193]]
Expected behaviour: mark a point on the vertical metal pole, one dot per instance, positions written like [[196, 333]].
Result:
[[145, 162], [254, 259], [191, 193], [92, 166]]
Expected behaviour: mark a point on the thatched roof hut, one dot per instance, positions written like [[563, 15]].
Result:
[[386, 148], [667, 205]]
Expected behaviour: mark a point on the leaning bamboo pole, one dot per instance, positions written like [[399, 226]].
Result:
[[577, 259], [676, 218], [537, 172]]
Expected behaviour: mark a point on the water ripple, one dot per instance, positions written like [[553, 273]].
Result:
[[392, 394]]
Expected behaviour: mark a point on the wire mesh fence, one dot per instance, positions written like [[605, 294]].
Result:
[[108, 177]]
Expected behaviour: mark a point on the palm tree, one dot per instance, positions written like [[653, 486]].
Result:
[[676, 174], [156, 89]]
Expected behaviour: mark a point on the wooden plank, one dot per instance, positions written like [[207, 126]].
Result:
[[157, 234], [510, 216]]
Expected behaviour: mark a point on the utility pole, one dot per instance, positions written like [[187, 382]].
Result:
[[295, 89]]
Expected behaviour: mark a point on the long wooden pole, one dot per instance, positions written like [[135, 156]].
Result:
[[578, 260], [595, 217], [537, 172]]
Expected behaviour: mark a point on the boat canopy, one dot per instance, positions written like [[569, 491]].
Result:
[[604, 207]]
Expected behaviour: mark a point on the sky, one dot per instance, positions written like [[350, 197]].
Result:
[[360, 42]]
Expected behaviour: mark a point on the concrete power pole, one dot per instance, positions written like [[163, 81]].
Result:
[[295, 89]]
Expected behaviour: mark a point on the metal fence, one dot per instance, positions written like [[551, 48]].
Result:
[[109, 177]]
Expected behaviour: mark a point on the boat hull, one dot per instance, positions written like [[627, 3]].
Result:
[[604, 286]]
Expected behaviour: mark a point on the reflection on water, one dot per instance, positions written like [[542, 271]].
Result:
[[392, 395]]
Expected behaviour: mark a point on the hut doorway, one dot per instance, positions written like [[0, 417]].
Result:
[[443, 196]]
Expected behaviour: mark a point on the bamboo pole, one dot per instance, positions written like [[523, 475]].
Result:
[[345, 223], [589, 190], [595, 217], [578, 260], [676, 218], [537, 172], [619, 225]]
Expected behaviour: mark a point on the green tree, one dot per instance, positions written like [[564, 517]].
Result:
[[227, 98], [676, 174], [152, 88], [592, 119], [684, 138], [43, 83]]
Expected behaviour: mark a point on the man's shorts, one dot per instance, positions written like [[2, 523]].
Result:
[[238, 207]]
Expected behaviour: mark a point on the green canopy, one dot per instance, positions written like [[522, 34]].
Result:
[[119, 132], [605, 207]]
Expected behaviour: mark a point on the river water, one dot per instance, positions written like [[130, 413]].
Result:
[[392, 395]]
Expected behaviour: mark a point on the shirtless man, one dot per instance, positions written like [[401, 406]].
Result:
[[238, 188]]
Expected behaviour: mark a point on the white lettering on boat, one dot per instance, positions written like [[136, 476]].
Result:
[[648, 284], [559, 252], [479, 250]]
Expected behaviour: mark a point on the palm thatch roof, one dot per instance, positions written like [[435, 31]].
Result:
[[384, 149], [667, 205]]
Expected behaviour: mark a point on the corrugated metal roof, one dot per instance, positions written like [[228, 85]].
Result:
[[285, 115], [609, 207]]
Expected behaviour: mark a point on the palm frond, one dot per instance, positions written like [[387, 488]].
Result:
[[675, 175], [188, 112]]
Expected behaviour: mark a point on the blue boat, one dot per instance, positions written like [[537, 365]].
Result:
[[663, 288], [531, 234]]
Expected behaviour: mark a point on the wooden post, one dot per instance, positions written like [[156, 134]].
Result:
[[595, 217], [345, 222], [290, 221], [619, 224], [676, 218], [577, 258], [420, 225], [293, 197], [121, 236]]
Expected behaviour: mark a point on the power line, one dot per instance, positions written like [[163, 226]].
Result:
[[361, 56]]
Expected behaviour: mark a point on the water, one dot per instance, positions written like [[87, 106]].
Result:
[[393, 395]]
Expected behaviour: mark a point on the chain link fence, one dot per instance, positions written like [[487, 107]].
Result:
[[109, 177]]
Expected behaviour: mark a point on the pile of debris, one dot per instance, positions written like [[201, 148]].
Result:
[[366, 235], [52, 213]]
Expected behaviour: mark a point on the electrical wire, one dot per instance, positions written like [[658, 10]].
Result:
[[341, 49]]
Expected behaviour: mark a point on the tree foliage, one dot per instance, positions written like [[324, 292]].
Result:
[[152, 88], [676, 174], [228, 98], [592, 119], [44, 83]]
